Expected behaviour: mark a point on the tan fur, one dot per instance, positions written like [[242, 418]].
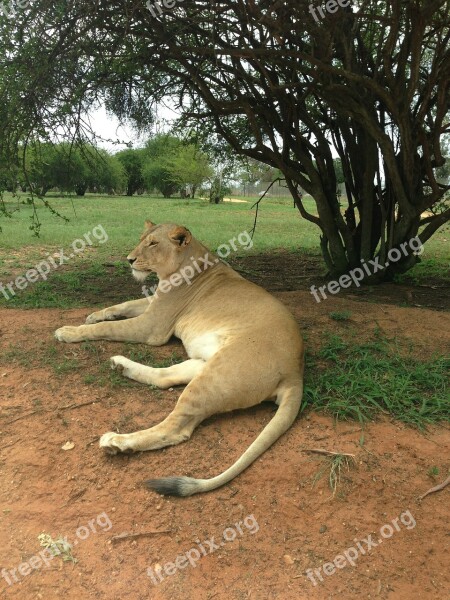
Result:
[[243, 345]]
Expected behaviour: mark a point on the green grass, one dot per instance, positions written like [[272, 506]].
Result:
[[343, 315], [60, 290], [279, 223], [436, 267], [433, 472], [77, 283], [360, 380], [334, 465]]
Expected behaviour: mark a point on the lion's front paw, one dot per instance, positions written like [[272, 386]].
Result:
[[102, 315], [120, 364], [95, 317], [117, 362], [112, 443], [68, 334]]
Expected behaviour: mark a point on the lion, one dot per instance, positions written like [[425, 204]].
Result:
[[244, 347]]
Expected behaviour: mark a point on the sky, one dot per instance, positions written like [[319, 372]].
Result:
[[108, 128]]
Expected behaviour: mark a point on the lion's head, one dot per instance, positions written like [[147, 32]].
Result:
[[162, 250]]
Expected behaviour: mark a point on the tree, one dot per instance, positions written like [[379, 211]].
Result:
[[39, 163], [69, 168], [279, 84], [254, 172], [156, 170], [173, 165], [132, 162], [190, 167], [113, 178]]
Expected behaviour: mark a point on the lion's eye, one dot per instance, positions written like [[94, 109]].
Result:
[[152, 243]]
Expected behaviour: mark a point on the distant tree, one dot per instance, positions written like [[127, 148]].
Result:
[[70, 169], [174, 165], [219, 187], [40, 167], [132, 162], [109, 174], [252, 172], [190, 167], [157, 171], [443, 172]]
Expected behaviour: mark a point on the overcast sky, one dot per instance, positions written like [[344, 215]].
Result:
[[107, 127]]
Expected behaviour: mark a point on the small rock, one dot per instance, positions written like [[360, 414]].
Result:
[[323, 528], [288, 559], [68, 446]]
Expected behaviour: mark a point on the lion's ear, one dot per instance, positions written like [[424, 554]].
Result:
[[180, 236], [148, 225]]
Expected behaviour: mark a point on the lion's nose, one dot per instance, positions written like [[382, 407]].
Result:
[[131, 260]]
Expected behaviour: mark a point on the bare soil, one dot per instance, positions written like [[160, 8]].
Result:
[[282, 516]]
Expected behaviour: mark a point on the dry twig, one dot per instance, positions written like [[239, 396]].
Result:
[[329, 452], [127, 536], [436, 488]]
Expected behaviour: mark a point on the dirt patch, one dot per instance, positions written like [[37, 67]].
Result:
[[270, 524]]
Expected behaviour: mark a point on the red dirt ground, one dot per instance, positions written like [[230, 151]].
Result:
[[296, 524]]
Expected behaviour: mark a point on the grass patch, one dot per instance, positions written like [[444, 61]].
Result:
[[66, 365], [343, 315], [360, 380], [279, 222], [433, 472], [279, 227], [16, 354], [58, 547], [335, 465], [428, 269], [73, 288]]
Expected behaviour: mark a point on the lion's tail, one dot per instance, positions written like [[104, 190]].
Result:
[[290, 396]]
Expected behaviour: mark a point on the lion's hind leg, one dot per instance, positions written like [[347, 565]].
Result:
[[177, 426], [164, 378]]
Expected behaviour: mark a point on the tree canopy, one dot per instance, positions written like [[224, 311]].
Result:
[[368, 82], [68, 168]]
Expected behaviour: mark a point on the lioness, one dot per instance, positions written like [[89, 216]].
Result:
[[243, 345]]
